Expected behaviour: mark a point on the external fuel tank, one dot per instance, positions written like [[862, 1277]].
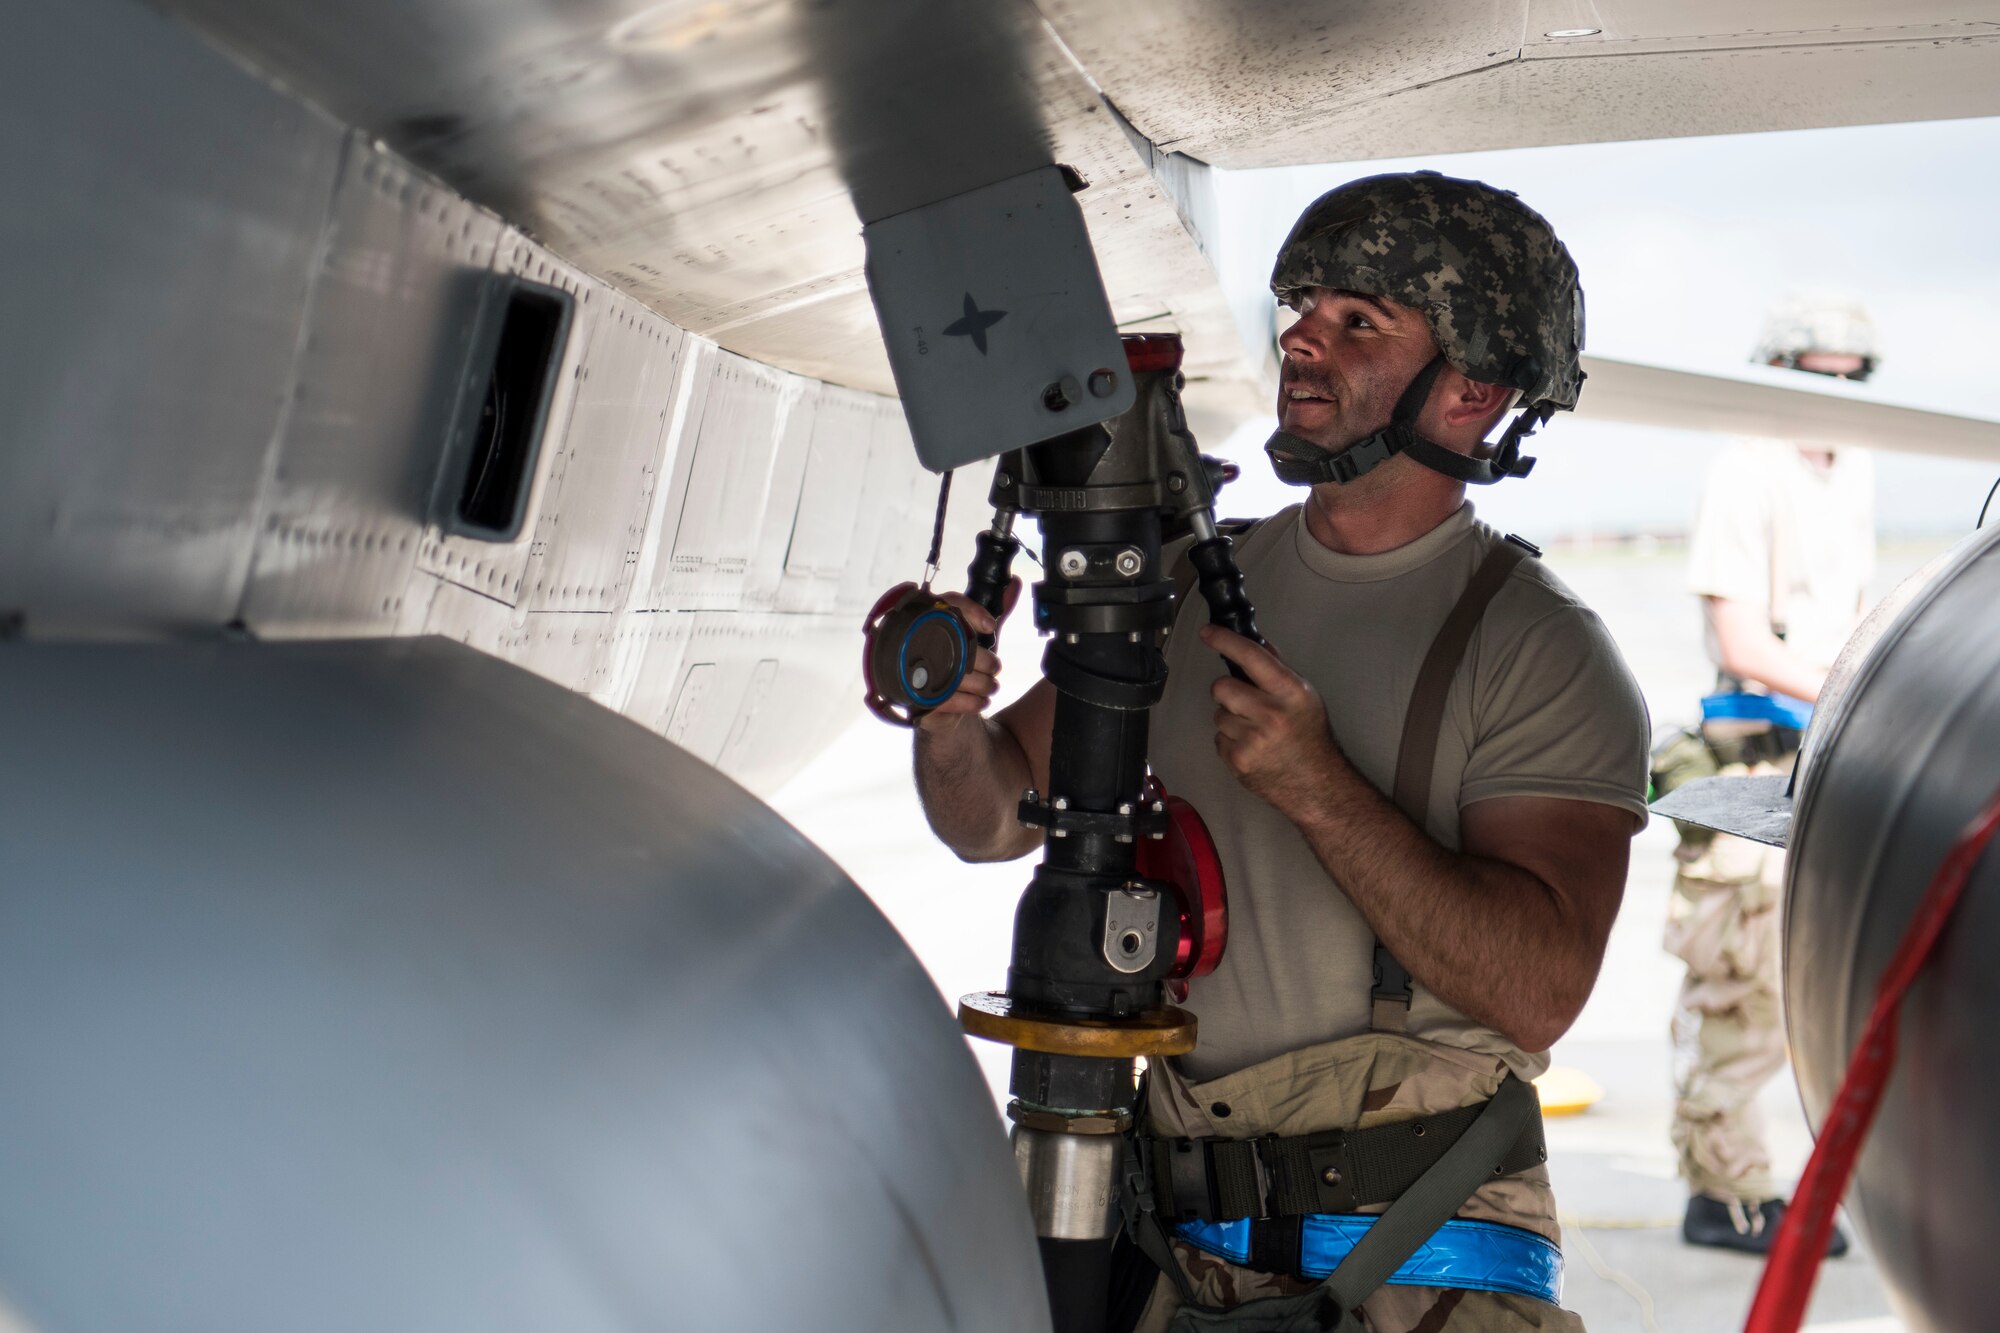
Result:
[[383, 985], [1904, 751]]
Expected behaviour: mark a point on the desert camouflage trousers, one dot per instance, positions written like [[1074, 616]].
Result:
[[1356, 1083], [1728, 1032]]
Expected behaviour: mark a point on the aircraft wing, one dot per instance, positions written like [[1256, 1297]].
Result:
[[1276, 82], [713, 160], [1777, 404]]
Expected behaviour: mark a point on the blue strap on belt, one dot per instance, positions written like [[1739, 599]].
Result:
[[1478, 1256], [1780, 710]]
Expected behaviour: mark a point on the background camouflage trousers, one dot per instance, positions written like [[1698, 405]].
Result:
[[1728, 1033]]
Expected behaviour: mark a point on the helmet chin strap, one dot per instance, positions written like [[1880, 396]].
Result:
[[1300, 462]]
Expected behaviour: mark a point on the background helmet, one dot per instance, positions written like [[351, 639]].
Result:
[[1803, 322], [1498, 289]]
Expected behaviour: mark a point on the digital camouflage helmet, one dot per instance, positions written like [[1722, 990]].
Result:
[[1499, 292]]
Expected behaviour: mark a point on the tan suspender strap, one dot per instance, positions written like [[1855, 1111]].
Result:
[[1416, 760]]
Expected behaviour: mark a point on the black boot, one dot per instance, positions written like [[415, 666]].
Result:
[[1749, 1227]]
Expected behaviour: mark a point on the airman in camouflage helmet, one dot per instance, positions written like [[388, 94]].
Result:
[[1496, 286], [1368, 874]]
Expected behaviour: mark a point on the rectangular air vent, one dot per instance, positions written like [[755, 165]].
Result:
[[509, 411]]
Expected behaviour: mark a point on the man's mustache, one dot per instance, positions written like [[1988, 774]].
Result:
[[1292, 376]]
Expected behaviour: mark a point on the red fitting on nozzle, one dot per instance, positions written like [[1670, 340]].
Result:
[[1152, 351], [1187, 861]]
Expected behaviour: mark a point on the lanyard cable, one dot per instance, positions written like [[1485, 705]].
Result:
[[937, 533]]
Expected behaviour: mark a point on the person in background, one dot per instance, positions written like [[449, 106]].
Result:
[[1782, 553]]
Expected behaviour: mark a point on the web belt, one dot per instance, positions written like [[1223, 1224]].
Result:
[[1333, 1171]]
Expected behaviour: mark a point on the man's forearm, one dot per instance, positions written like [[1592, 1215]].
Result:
[[1488, 938], [1512, 937], [970, 774], [1749, 650], [1776, 667]]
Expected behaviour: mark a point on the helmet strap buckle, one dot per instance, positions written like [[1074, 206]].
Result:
[[1302, 463], [1507, 459]]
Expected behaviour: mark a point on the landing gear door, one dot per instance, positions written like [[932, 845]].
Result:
[[995, 319]]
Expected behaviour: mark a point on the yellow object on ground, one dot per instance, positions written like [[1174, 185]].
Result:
[[1566, 1091]]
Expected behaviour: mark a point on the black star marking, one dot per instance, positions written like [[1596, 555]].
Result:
[[975, 323]]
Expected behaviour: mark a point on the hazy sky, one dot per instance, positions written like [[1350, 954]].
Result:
[[1682, 243]]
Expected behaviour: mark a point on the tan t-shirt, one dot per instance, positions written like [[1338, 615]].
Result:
[[1542, 706], [1775, 524]]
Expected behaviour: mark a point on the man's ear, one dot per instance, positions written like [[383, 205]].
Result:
[[1469, 401]]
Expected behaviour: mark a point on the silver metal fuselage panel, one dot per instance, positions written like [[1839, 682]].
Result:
[[237, 400]]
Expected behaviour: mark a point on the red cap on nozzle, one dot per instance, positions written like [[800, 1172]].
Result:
[[1152, 351]]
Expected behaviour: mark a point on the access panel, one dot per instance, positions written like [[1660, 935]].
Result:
[[728, 485]]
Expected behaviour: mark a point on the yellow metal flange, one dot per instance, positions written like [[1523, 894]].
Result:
[[1162, 1031]]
